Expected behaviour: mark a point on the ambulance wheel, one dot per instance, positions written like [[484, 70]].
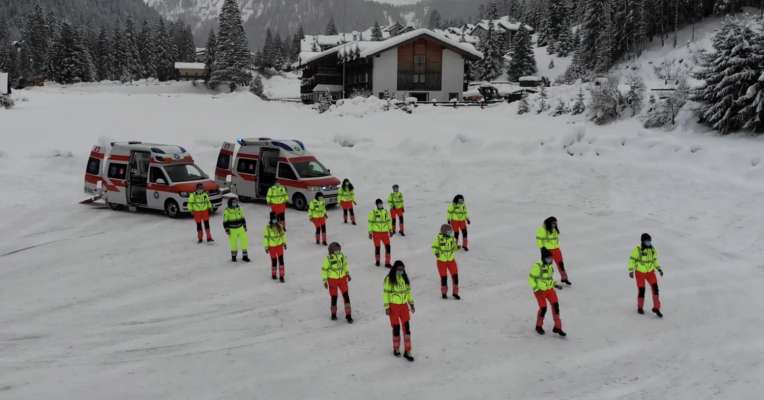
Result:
[[299, 202], [114, 206], [171, 208]]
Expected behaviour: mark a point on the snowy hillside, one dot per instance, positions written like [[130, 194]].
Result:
[[99, 304]]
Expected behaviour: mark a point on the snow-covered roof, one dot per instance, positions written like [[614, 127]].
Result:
[[459, 35], [190, 65], [367, 49], [530, 79], [502, 24]]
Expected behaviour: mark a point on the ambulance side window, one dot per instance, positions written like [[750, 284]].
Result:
[[224, 161], [286, 172], [117, 171], [247, 166], [94, 166], [156, 173]]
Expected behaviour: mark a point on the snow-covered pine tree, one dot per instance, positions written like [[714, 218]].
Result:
[[5, 49], [120, 70], [232, 58], [566, 41], [523, 61], [146, 50], [278, 56], [132, 55], [556, 16], [37, 38], [71, 61], [103, 56], [296, 46], [729, 71], [542, 105], [605, 53], [635, 96], [256, 87], [607, 101], [376, 32], [523, 107], [331, 27], [164, 53], [722, 7], [561, 108], [435, 20], [269, 55], [580, 105], [594, 29], [492, 64], [212, 41]]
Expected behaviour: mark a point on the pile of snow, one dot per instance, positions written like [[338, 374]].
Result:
[[359, 106]]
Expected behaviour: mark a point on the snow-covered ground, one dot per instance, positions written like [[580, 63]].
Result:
[[98, 304]]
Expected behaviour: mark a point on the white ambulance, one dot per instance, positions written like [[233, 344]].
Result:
[[146, 175], [260, 162]]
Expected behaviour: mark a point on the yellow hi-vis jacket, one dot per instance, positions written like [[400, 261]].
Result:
[[457, 212], [395, 200], [541, 277], [199, 201], [335, 267], [345, 194], [380, 221], [273, 237], [234, 218], [277, 194], [316, 209], [644, 260], [544, 238], [397, 293], [444, 247]]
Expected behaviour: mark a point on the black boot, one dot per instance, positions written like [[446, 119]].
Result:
[[281, 279], [408, 356], [641, 311], [334, 317], [540, 330], [245, 258], [349, 319], [444, 296], [559, 332], [233, 257], [567, 282], [396, 353], [377, 263], [658, 312], [456, 296]]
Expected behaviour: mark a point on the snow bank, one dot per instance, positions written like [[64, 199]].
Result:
[[358, 106]]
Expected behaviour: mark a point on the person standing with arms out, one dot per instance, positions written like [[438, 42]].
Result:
[[444, 247], [336, 274], [275, 242], [277, 198], [200, 205], [541, 281], [317, 215], [398, 299], [235, 226], [548, 237], [380, 225], [458, 218], [346, 197], [644, 259], [395, 200]]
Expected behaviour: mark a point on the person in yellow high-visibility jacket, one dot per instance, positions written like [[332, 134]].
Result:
[[397, 298], [458, 218], [335, 273], [380, 225], [444, 248], [275, 242], [200, 205], [346, 197], [277, 198], [395, 200], [548, 237], [235, 226], [317, 215], [644, 260], [541, 281]]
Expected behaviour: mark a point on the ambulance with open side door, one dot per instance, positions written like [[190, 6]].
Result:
[[260, 162], [146, 175]]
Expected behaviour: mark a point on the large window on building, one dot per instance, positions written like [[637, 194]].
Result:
[[420, 65]]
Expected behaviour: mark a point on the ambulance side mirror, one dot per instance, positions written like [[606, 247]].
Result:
[[161, 181]]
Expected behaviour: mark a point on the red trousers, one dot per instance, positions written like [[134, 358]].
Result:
[[346, 205], [336, 285], [278, 208], [448, 267], [542, 297], [650, 277], [458, 226], [397, 215], [399, 316], [318, 222], [557, 257], [202, 217], [379, 239], [276, 251]]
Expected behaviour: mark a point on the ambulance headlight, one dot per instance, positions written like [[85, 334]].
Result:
[[314, 188], [325, 188], [184, 194]]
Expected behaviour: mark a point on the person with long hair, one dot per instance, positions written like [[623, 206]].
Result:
[[541, 281], [548, 237], [346, 197], [275, 242], [395, 200], [458, 218], [317, 215], [380, 225], [644, 260], [235, 226], [398, 300], [444, 248], [200, 205], [335, 273]]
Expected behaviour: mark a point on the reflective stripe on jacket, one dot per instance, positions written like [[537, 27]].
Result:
[[273, 237], [234, 218], [199, 201], [345, 195], [398, 293], [444, 247], [544, 238], [380, 221], [277, 194], [395, 200], [316, 209], [335, 267], [541, 277], [644, 260], [457, 212]]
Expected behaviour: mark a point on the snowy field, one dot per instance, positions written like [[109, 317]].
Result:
[[98, 304]]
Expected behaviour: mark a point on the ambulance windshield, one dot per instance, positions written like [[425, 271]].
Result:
[[310, 169], [184, 173]]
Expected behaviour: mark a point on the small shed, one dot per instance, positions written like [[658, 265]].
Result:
[[189, 70], [5, 84]]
